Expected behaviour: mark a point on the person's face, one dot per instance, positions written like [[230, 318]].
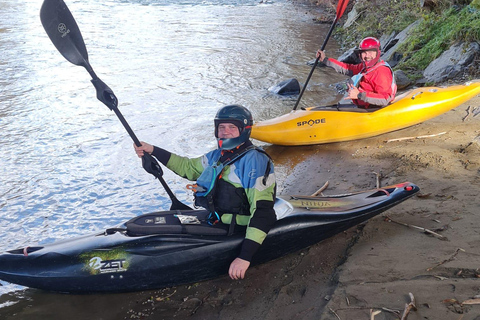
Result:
[[368, 55], [228, 131]]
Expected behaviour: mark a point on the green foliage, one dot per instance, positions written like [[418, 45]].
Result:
[[384, 17], [475, 4], [436, 33]]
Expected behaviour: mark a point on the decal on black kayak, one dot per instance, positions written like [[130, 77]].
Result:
[[311, 122], [105, 262]]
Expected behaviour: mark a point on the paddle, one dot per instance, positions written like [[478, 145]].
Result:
[[61, 27], [341, 6]]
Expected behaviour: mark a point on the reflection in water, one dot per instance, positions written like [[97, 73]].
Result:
[[67, 164]]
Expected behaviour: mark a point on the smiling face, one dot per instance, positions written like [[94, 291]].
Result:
[[368, 55], [228, 131]]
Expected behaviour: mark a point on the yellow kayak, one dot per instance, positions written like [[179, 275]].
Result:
[[326, 125]]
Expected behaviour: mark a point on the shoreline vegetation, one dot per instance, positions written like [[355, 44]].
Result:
[[441, 24]]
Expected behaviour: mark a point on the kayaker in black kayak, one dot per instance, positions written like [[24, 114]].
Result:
[[237, 180], [373, 82]]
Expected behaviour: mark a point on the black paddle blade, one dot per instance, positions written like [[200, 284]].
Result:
[[62, 29]]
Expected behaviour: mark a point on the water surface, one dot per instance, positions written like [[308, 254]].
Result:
[[67, 164]]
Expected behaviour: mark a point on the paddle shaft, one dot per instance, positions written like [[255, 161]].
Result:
[[62, 29], [342, 5]]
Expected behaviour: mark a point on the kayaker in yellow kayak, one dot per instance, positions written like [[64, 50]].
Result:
[[372, 84]]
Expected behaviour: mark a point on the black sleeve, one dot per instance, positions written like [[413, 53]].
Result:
[[162, 155]]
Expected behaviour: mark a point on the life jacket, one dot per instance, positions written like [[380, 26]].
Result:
[[358, 77], [231, 199]]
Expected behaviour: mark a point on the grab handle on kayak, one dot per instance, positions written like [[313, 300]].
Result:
[[416, 94]]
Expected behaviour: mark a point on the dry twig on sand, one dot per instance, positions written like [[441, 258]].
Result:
[[469, 113], [419, 228], [165, 298], [336, 315], [448, 260], [378, 177], [471, 301], [409, 306], [319, 191], [419, 137], [373, 313]]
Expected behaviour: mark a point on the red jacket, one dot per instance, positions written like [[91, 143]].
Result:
[[377, 85]]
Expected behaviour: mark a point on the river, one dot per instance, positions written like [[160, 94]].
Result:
[[67, 164]]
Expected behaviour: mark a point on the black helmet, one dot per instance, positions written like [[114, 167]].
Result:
[[239, 116]]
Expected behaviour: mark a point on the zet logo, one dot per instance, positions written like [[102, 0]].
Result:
[[105, 262], [107, 266]]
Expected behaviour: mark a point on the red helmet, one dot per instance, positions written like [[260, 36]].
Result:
[[369, 43]]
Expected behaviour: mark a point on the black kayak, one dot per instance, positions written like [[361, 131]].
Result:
[[163, 249]]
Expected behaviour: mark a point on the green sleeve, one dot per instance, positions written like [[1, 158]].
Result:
[[189, 168]]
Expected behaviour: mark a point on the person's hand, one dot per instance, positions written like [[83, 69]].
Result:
[[238, 268], [321, 55], [352, 92], [145, 147]]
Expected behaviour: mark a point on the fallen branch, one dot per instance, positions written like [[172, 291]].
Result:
[[419, 137], [164, 298], [319, 191], [469, 113], [419, 228], [378, 177], [336, 315], [373, 313], [448, 260], [409, 307], [471, 301]]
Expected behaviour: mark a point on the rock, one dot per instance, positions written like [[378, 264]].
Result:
[[399, 39], [452, 62], [388, 42], [286, 87], [350, 57], [401, 79], [352, 16]]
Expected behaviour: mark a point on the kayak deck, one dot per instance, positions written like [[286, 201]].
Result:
[[117, 261]]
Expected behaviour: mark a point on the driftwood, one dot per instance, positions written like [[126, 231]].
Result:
[[373, 313], [469, 113], [319, 191], [164, 298], [378, 177], [471, 301], [419, 228], [395, 312], [419, 137], [336, 315], [448, 260], [409, 306]]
